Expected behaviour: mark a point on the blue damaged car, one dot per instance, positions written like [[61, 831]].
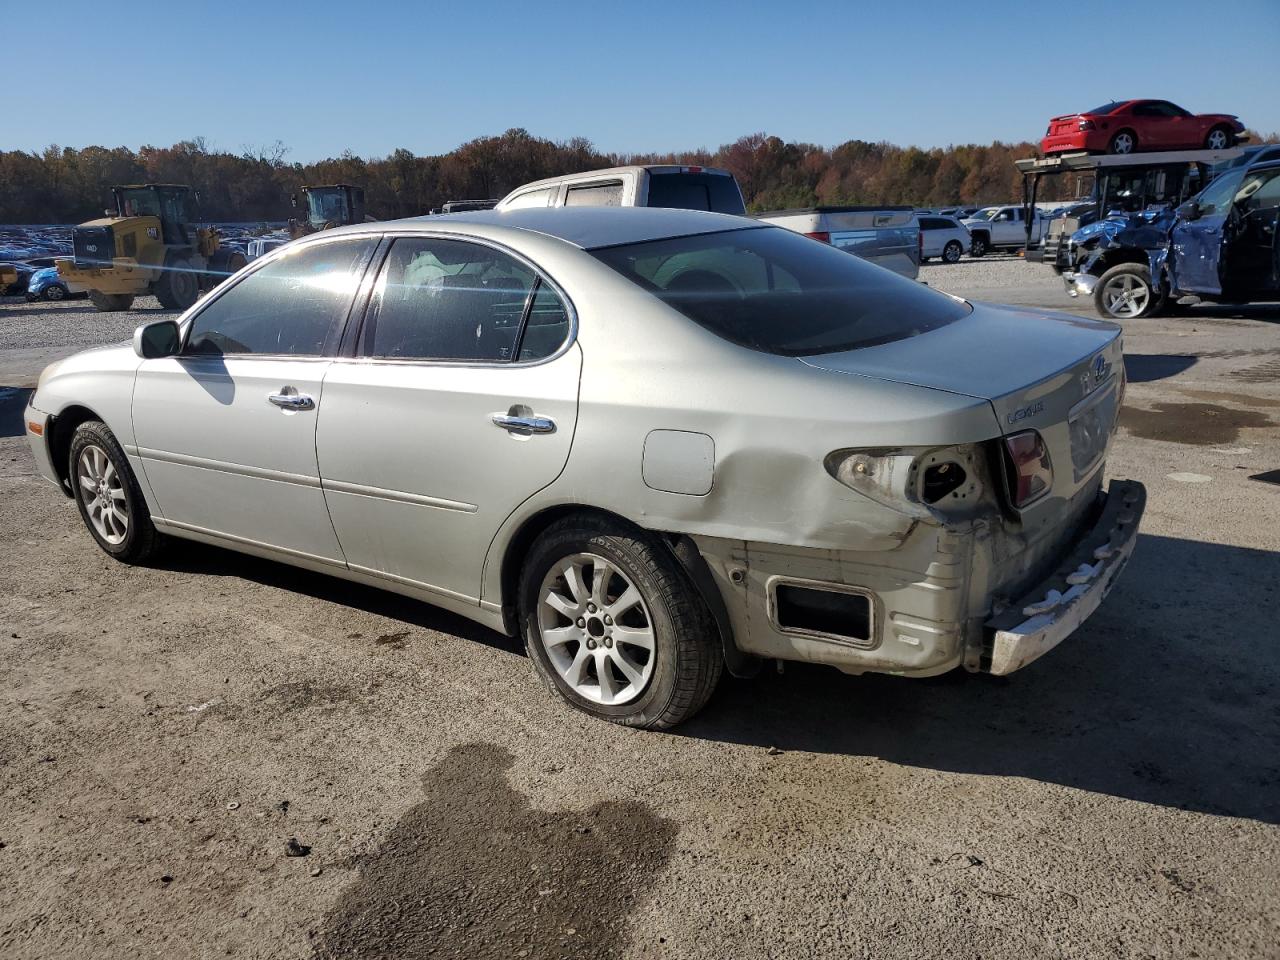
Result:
[[1219, 246]]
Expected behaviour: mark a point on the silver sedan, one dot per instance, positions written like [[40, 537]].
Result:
[[657, 444]]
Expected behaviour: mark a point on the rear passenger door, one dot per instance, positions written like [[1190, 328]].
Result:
[[457, 403]]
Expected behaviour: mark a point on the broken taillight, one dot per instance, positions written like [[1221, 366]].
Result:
[[820, 235], [1030, 474]]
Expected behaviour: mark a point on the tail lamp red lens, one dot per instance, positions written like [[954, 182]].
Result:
[[820, 235], [1086, 124], [1030, 471]]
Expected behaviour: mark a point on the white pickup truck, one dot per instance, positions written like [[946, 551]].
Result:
[[887, 236], [1002, 228]]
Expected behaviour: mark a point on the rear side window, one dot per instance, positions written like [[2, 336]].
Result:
[[293, 306], [696, 191], [441, 299], [595, 195], [776, 291], [546, 327], [934, 223]]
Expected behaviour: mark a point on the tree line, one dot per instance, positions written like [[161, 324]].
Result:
[[70, 185]]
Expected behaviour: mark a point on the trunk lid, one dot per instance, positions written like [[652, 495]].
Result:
[[1054, 373], [1065, 124]]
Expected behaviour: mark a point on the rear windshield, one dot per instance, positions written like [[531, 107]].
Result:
[[779, 292], [696, 191], [1105, 108]]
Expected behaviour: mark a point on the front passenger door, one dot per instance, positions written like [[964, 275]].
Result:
[[226, 430], [1199, 245]]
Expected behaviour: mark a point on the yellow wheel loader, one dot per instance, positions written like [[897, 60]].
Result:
[[149, 247], [329, 206]]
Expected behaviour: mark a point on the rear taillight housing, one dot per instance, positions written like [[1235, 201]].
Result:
[[1086, 124], [1028, 470], [821, 235]]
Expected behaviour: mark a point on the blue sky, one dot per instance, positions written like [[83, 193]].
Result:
[[328, 76]]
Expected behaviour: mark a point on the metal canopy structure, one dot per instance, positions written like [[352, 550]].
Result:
[[1033, 169]]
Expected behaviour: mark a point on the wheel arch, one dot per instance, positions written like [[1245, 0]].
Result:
[[63, 429], [682, 548]]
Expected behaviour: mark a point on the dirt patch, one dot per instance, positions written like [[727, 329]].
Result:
[[472, 871], [298, 695], [1198, 424], [1241, 399]]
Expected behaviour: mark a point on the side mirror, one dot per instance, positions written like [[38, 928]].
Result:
[[157, 339], [1189, 210]]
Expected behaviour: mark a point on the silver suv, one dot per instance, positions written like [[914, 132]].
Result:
[[684, 188]]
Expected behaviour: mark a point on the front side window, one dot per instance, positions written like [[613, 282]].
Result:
[[442, 299], [292, 306], [1218, 196], [595, 195], [773, 290], [534, 198]]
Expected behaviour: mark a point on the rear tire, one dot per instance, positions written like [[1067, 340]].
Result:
[[1124, 142], [952, 251], [108, 496], [1125, 292], [178, 286], [111, 302], [577, 574]]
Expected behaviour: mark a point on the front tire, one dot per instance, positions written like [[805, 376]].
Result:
[[111, 302], [952, 251], [1125, 292], [614, 625], [54, 292], [108, 496], [178, 286], [1219, 138], [978, 246]]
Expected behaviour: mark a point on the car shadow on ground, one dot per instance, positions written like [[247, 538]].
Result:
[[13, 402], [1168, 695], [187, 556], [1147, 367]]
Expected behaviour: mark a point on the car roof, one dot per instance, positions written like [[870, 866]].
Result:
[[607, 172], [585, 227]]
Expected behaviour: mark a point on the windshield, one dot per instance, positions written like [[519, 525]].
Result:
[[1105, 108], [139, 203], [326, 206], [986, 213], [776, 291]]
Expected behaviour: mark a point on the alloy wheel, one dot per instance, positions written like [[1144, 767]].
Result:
[[54, 292], [102, 492], [596, 629], [1126, 296], [1217, 140], [952, 252], [1123, 143]]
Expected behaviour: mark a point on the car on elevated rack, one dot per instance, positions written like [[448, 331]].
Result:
[[655, 443], [1127, 126]]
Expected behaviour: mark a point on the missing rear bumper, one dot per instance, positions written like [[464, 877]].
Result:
[[1051, 611]]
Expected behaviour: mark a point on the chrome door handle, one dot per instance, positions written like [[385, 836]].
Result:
[[529, 424], [292, 401]]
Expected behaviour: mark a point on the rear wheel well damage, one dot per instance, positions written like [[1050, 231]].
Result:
[[682, 548], [62, 429]]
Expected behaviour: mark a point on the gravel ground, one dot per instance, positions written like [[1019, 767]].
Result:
[[170, 735]]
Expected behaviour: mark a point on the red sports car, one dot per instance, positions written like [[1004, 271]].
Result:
[[1126, 126]]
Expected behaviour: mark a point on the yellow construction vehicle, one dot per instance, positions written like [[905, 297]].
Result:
[[150, 246], [329, 206], [8, 277]]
